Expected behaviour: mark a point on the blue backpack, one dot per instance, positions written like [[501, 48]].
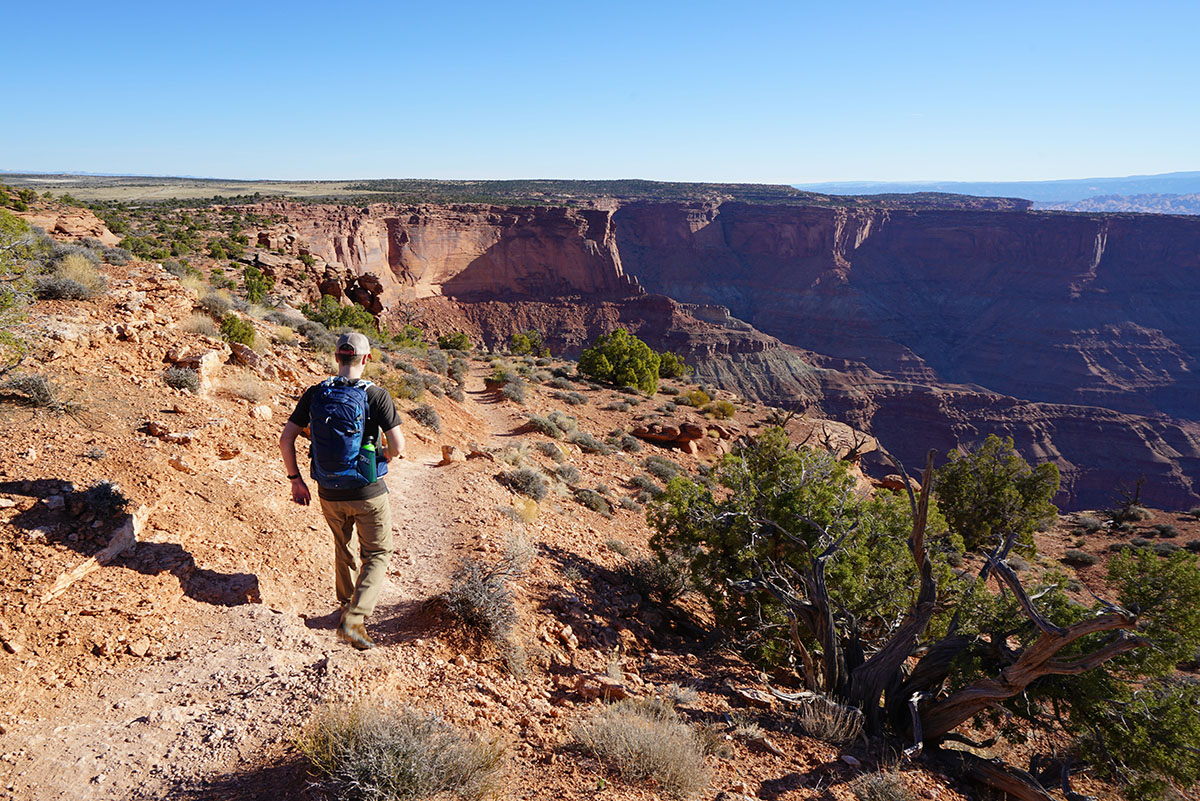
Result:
[[337, 425]]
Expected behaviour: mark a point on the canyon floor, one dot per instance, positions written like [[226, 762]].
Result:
[[184, 667]]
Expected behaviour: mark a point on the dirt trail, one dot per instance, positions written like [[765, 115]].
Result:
[[244, 676]]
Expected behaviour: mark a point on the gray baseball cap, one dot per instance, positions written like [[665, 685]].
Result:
[[355, 343]]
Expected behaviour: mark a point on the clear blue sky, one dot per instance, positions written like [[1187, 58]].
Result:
[[777, 92]]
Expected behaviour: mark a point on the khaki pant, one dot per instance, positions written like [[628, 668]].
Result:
[[358, 589]]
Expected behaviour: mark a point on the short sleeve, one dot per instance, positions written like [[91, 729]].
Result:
[[382, 409], [303, 408]]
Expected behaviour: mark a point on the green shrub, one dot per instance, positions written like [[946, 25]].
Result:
[[671, 365], [456, 341], [182, 378], [257, 284], [370, 753], [721, 409], [991, 490], [645, 740], [526, 481], [528, 343], [235, 329], [622, 359], [693, 397]]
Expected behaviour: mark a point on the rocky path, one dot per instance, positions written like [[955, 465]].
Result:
[[213, 718]]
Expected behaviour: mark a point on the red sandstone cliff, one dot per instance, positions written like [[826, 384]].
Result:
[[466, 252], [1074, 334]]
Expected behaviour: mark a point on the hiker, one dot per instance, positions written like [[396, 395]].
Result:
[[354, 431]]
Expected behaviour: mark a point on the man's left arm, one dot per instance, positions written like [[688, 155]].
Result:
[[395, 443]]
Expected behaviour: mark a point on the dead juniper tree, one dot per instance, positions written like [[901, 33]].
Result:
[[858, 597]]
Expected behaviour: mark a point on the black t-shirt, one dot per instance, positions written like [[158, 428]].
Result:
[[381, 416]]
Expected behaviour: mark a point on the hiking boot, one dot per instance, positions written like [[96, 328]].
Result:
[[356, 635]]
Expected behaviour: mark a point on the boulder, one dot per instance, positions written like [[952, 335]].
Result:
[[451, 454]]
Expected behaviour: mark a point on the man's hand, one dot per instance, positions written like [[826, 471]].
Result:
[[300, 493]]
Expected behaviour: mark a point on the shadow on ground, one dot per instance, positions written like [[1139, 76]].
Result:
[[69, 522], [284, 779]]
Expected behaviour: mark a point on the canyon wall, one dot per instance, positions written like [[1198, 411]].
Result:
[[1074, 334], [468, 252], [1060, 308]]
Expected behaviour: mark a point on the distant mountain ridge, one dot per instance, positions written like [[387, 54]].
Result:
[[1052, 192], [1144, 204]]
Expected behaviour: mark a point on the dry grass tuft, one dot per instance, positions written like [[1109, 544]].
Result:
[[368, 753], [645, 739], [201, 324], [243, 384], [829, 721], [885, 785]]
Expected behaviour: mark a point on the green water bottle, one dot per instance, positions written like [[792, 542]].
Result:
[[367, 456]]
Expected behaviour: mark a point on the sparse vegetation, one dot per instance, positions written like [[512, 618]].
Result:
[[479, 597], [663, 578], [587, 442], [36, 390], [644, 739], [545, 426], [1088, 523], [427, 416], [593, 500], [182, 378], [568, 473], [104, 500], [829, 721], [883, 785], [661, 468], [526, 481], [1078, 558], [370, 753]]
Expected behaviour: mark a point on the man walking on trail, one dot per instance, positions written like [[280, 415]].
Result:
[[354, 431]]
